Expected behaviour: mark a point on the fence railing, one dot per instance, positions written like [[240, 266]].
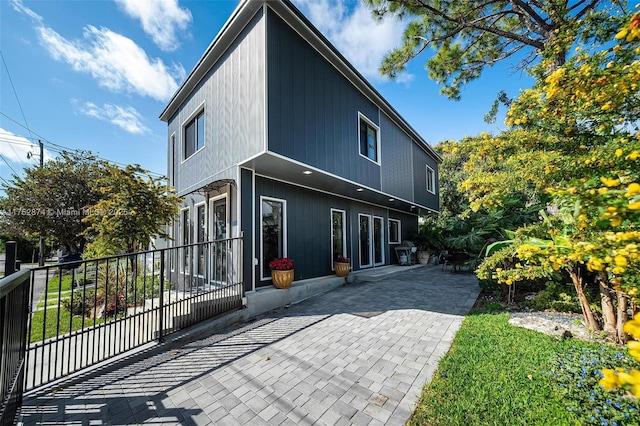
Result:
[[14, 314], [85, 312]]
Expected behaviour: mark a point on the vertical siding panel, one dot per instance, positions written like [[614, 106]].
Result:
[[233, 91], [397, 152], [315, 83], [308, 225], [420, 162]]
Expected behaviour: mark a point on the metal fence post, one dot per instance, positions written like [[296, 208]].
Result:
[[161, 312], [10, 258]]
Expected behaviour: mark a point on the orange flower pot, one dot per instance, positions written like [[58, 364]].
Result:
[[282, 279], [342, 269]]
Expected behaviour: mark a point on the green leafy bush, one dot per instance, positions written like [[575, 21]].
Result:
[[80, 304], [142, 288], [556, 297]]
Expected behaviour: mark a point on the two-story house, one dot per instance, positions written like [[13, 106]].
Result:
[[276, 136]]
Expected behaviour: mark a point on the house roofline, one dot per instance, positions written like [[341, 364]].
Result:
[[246, 10]]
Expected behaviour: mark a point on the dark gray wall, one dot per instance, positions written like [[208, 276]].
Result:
[[246, 225], [313, 109], [309, 227], [421, 195], [397, 157]]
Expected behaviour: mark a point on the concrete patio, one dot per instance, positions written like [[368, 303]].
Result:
[[358, 354]]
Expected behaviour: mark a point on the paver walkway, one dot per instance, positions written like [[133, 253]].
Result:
[[357, 355]]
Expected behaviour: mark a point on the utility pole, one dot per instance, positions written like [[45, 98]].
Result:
[[41, 255]]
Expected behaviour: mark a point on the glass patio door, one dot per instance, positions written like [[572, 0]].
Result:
[[371, 238], [338, 234], [200, 239], [273, 233], [218, 232], [378, 241]]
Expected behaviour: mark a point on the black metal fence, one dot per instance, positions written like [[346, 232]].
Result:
[[14, 314], [87, 311]]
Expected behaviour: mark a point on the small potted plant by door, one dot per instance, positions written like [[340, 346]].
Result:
[[342, 266], [282, 271], [423, 256]]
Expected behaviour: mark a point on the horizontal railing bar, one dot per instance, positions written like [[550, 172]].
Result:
[[8, 284]]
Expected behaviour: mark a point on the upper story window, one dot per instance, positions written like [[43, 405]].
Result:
[[194, 135], [369, 138], [431, 180]]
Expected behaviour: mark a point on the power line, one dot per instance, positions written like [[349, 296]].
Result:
[[17, 99], [17, 141], [7, 163], [60, 148]]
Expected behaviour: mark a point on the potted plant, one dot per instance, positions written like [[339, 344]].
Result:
[[342, 266], [423, 254], [282, 271]]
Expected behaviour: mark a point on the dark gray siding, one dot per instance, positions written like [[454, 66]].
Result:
[[309, 227], [232, 94], [313, 109], [246, 226], [397, 157], [421, 195]]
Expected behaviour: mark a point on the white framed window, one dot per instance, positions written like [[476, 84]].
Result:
[[395, 231], [368, 139], [185, 235], [431, 180], [194, 134], [338, 234], [273, 233], [172, 160]]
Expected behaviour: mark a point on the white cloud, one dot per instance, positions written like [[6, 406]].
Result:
[[363, 40], [115, 61], [17, 149], [19, 7], [127, 117], [160, 19]]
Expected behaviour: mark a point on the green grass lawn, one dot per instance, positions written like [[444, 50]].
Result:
[[498, 374], [57, 286], [51, 326], [56, 283]]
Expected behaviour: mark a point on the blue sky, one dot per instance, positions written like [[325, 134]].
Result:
[[95, 75]]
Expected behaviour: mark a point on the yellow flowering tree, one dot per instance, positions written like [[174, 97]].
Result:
[[574, 138]]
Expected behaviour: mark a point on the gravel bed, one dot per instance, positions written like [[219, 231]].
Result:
[[554, 323]]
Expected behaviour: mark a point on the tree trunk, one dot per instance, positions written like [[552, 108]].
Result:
[[589, 318], [622, 316], [608, 311]]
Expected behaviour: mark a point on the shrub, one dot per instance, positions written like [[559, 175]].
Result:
[[557, 297], [143, 288], [80, 304], [115, 305]]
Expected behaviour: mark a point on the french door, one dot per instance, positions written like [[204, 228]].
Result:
[[371, 240], [218, 231]]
